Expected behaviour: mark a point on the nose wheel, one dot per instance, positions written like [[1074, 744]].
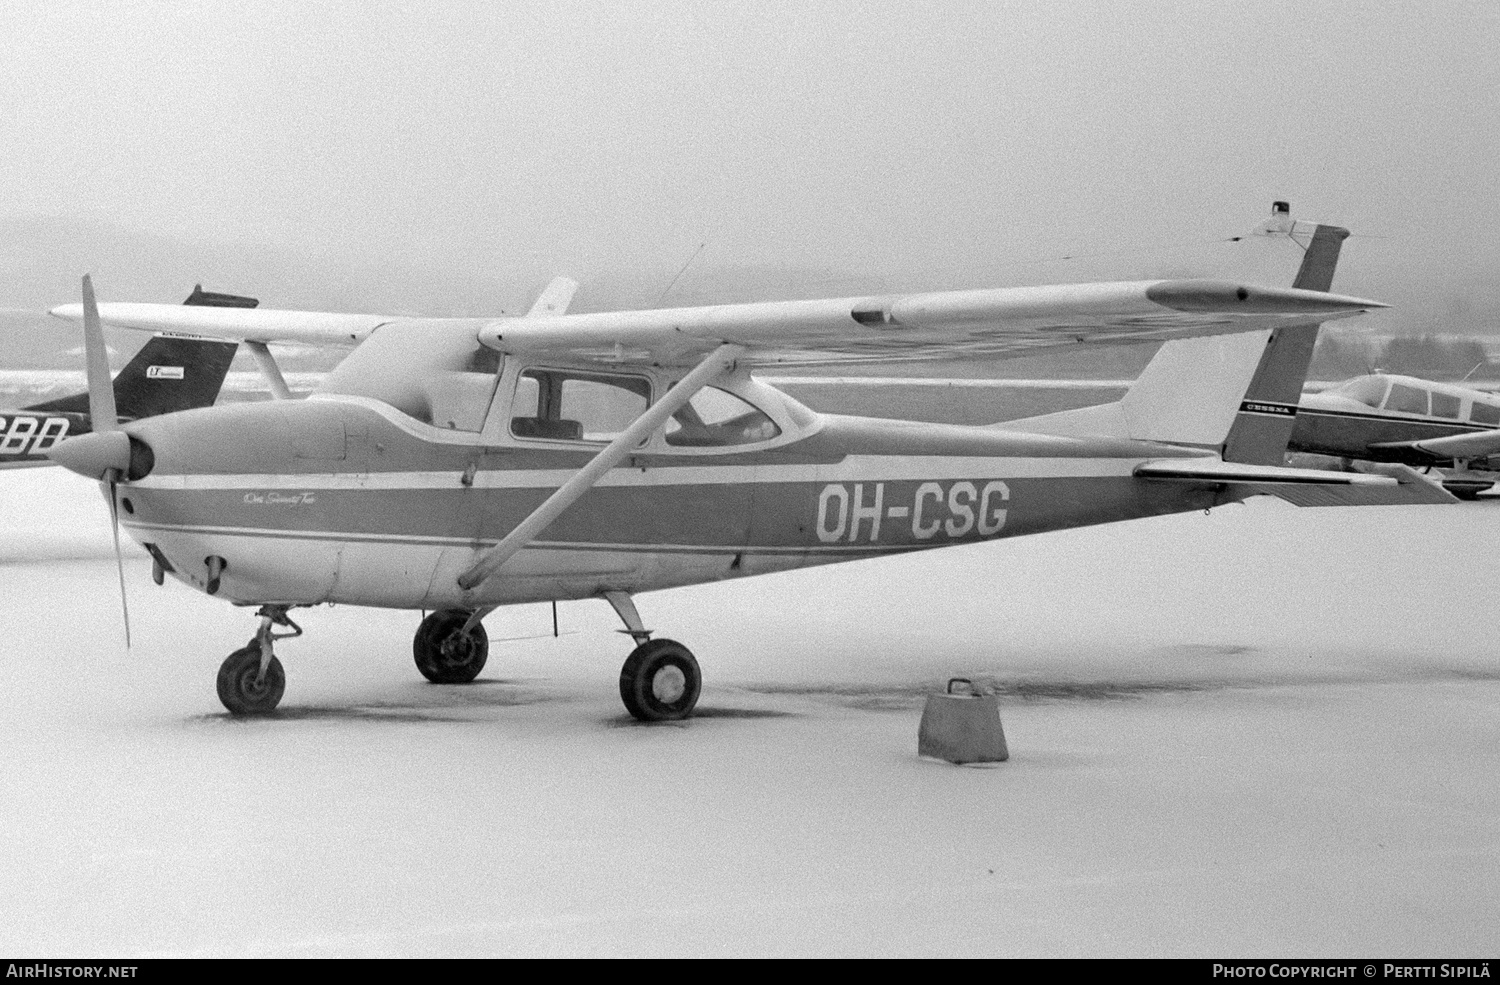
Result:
[[244, 689], [447, 649], [251, 680]]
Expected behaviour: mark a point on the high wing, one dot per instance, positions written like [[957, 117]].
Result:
[[1479, 444], [993, 323]]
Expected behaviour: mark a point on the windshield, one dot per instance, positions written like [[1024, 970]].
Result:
[[1368, 390]]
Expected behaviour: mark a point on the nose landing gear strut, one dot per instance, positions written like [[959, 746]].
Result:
[[251, 680]]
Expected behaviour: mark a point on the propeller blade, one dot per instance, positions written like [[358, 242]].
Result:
[[101, 389], [112, 477]]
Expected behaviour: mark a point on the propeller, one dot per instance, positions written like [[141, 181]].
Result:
[[106, 424]]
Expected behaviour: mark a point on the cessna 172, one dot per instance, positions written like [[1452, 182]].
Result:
[[459, 465], [166, 375], [1383, 417]]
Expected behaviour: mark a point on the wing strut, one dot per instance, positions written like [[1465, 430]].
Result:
[[270, 370], [719, 361]]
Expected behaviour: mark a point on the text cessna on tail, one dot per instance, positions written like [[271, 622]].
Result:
[[167, 374], [459, 465]]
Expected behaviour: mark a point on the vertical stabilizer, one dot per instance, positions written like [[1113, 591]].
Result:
[[1269, 410], [1189, 394]]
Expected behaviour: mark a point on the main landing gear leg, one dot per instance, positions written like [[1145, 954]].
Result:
[[660, 680], [251, 680]]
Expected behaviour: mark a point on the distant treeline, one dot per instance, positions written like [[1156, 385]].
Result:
[[1432, 357]]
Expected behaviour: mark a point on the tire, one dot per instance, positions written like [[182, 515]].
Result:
[[241, 688], [444, 654], [660, 681]]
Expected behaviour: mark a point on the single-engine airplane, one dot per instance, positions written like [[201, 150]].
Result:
[[459, 465], [167, 374], [1384, 417]]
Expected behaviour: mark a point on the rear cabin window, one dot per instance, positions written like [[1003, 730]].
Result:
[[1445, 405], [1486, 414], [562, 405], [1406, 399], [716, 418]]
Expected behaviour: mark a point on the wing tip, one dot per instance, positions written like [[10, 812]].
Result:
[[1230, 297]]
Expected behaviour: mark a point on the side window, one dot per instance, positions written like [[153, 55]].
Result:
[[1406, 399], [560, 405], [1486, 414], [1445, 404], [717, 418]]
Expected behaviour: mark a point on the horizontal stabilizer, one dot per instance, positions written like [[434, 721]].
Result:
[[1395, 486], [1478, 444]]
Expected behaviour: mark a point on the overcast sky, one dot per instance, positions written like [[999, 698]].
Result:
[[928, 143]]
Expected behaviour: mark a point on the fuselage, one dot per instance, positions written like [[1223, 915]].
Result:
[[26, 436], [345, 498], [1358, 416]]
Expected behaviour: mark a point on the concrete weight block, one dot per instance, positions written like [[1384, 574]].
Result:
[[962, 726]]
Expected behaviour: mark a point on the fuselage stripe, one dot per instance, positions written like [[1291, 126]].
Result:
[[853, 469], [483, 543]]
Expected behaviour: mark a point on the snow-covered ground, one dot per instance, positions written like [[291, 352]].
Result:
[[1260, 732]]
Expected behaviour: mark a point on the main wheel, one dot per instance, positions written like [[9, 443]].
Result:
[[444, 653], [243, 689], [660, 681]]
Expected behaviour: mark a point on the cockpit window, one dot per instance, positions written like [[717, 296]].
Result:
[[717, 418], [1486, 414], [1368, 390], [1406, 399], [1445, 404], [563, 405]]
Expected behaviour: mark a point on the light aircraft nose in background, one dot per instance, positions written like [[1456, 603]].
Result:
[[458, 465]]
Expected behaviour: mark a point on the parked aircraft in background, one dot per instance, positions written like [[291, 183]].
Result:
[[167, 374], [459, 465], [1384, 417]]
